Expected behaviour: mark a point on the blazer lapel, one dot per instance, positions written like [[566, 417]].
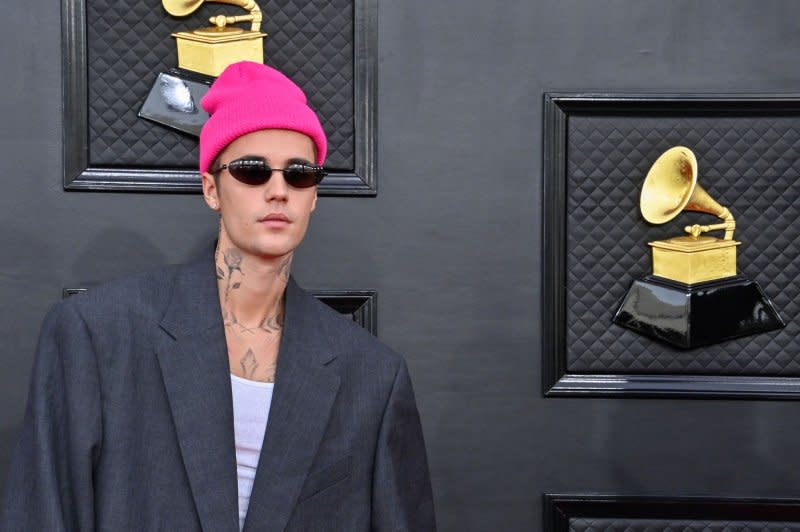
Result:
[[305, 390], [194, 365]]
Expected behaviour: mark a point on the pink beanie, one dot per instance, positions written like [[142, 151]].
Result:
[[248, 97]]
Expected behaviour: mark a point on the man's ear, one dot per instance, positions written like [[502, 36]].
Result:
[[210, 191], [314, 203]]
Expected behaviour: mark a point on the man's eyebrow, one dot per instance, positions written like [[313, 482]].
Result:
[[299, 160]]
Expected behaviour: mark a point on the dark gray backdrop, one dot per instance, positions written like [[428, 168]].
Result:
[[452, 241]]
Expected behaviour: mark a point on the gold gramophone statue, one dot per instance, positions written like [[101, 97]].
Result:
[[694, 296], [203, 54], [209, 50]]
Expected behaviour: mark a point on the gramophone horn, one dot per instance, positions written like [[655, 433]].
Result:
[[671, 187], [181, 8]]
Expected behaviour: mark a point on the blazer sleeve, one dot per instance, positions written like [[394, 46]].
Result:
[[49, 486], [402, 499]]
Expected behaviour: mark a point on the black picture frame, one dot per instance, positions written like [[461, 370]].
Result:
[[79, 175], [361, 305], [557, 380], [559, 509]]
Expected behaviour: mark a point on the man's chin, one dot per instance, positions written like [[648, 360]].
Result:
[[270, 253]]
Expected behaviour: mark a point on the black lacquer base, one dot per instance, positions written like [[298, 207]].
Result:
[[689, 316], [174, 100]]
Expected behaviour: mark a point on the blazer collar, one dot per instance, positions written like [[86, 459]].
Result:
[[306, 385], [194, 302], [192, 353]]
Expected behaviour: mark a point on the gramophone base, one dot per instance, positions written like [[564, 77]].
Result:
[[689, 316], [174, 100]]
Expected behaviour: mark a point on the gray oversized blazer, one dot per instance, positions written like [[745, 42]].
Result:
[[129, 424]]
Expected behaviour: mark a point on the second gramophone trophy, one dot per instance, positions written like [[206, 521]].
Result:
[[174, 99], [695, 296]]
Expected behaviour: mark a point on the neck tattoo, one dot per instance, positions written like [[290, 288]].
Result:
[[230, 276]]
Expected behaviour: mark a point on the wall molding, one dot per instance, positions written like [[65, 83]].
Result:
[[559, 509], [361, 305]]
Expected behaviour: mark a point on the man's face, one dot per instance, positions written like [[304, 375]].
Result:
[[268, 220]]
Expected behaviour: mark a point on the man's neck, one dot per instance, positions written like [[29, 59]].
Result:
[[250, 289]]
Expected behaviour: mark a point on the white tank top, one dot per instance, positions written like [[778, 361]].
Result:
[[251, 403]]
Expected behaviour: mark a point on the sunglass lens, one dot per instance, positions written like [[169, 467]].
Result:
[[303, 176], [250, 171]]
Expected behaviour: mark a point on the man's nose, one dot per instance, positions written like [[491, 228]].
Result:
[[276, 186]]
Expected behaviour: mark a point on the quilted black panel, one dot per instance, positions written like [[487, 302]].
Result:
[[749, 163], [129, 43], [653, 525]]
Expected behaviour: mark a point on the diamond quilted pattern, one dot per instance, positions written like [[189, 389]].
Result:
[[658, 525], [129, 43], [748, 163]]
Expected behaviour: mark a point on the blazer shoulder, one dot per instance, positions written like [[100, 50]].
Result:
[[144, 293]]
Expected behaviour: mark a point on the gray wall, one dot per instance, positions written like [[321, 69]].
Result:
[[452, 241]]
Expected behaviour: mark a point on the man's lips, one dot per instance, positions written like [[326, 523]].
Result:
[[275, 218]]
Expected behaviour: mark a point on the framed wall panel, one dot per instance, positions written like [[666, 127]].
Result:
[[615, 513], [598, 149], [113, 51]]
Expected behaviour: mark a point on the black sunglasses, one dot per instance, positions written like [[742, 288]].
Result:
[[254, 170]]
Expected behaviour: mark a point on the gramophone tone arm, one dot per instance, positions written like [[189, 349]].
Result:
[[255, 17], [729, 225], [221, 21]]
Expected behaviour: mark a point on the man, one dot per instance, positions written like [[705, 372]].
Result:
[[218, 395]]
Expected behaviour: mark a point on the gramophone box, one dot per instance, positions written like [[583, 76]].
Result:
[[209, 52], [691, 260]]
